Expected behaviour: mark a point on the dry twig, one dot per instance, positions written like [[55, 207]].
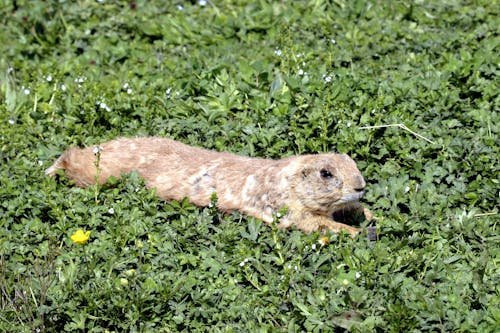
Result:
[[403, 126]]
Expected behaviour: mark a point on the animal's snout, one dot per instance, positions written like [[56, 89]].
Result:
[[359, 184]]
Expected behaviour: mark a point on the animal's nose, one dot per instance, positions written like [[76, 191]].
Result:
[[359, 183]]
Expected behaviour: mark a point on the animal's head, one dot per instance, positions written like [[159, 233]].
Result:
[[328, 182]]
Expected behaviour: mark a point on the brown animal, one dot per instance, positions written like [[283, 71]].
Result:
[[313, 187]]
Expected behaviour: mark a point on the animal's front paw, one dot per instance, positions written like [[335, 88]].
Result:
[[369, 215], [333, 226]]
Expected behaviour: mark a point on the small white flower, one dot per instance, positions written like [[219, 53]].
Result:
[[301, 72], [278, 52], [333, 41], [111, 210], [103, 105], [327, 78], [278, 214], [12, 121], [202, 3], [179, 7], [49, 78], [63, 87], [244, 262], [358, 275], [26, 91], [97, 149], [129, 91], [125, 85], [373, 111], [40, 162], [348, 124], [313, 246], [407, 189]]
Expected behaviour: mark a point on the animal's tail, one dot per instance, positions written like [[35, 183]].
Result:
[[59, 164], [78, 164]]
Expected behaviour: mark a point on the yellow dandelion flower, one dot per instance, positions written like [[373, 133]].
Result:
[[80, 236], [130, 272], [324, 241]]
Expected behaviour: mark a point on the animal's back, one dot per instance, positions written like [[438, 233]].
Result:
[[123, 155], [176, 170]]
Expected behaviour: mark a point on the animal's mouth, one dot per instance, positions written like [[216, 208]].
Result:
[[351, 197], [346, 202], [346, 209]]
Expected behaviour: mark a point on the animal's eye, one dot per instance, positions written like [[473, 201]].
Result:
[[325, 173]]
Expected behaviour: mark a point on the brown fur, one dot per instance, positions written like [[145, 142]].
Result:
[[313, 187]]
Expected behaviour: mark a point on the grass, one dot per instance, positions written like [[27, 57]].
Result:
[[409, 90]]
